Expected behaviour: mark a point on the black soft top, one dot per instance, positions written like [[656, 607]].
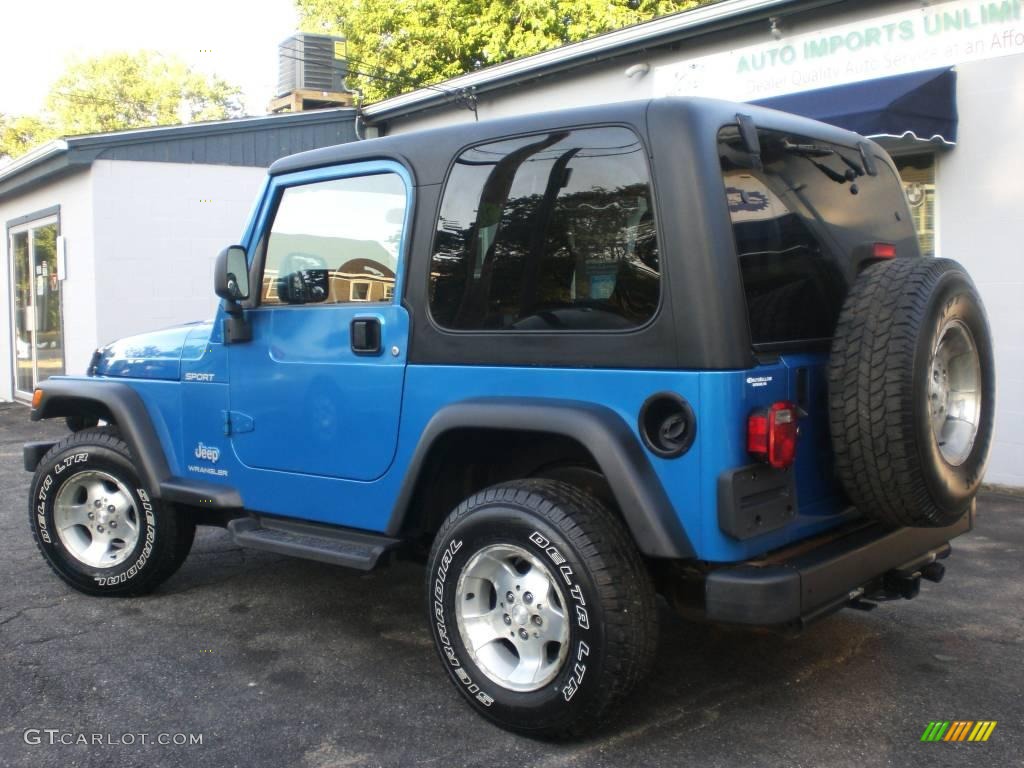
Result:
[[429, 152], [701, 322]]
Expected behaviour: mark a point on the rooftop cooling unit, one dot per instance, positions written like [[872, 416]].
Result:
[[313, 63]]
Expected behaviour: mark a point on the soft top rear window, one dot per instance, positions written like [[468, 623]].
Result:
[[799, 223]]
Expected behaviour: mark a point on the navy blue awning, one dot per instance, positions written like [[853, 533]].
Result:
[[922, 104]]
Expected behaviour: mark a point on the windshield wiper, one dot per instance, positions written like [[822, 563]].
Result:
[[807, 150], [811, 151]]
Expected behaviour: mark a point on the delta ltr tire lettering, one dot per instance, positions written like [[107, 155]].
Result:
[[97, 525], [541, 607]]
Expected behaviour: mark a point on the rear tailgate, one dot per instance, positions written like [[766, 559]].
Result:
[[805, 216]]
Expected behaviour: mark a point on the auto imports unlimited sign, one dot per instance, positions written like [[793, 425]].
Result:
[[942, 34]]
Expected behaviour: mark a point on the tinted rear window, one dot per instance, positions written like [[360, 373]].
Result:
[[799, 223]]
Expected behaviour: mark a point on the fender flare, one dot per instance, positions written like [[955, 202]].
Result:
[[638, 491], [66, 397]]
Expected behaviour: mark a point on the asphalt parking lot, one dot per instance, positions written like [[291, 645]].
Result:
[[282, 662]]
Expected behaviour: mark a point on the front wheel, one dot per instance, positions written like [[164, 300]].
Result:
[[541, 607], [96, 523]]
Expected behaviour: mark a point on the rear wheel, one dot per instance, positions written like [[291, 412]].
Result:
[[541, 607], [96, 523], [911, 392]]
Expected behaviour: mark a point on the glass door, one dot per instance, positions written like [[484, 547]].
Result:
[[24, 361], [38, 313]]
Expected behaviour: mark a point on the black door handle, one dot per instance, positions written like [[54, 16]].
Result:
[[366, 335]]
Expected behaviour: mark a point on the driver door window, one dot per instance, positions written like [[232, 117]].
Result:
[[335, 242]]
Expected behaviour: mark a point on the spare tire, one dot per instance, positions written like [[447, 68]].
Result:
[[911, 392]]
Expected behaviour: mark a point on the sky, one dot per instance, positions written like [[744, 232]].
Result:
[[234, 39]]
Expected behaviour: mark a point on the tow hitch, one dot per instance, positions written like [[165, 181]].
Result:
[[902, 583]]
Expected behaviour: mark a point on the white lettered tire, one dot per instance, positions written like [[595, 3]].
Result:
[[97, 525], [541, 607]]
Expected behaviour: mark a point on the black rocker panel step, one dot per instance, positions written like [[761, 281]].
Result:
[[312, 541]]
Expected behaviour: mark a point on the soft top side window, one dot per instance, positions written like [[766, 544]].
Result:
[[551, 232], [335, 241]]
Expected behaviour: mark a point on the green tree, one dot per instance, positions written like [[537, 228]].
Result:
[[19, 133], [121, 90], [396, 45], [134, 90]]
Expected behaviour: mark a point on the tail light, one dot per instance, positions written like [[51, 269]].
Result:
[[884, 251], [771, 434]]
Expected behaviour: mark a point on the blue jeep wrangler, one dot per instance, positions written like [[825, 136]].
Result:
[[572, 361]]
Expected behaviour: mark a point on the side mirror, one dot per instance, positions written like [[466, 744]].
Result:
[[231, 283], [231, 275]]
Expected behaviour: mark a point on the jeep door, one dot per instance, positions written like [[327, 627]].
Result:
[[318, 388]]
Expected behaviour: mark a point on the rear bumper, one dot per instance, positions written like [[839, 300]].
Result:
[[821, 575]]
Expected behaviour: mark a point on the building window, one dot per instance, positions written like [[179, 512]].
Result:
[[552, 232], [918, 175], [359, 290]]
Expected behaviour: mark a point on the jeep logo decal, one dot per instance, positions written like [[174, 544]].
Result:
[[207, 452]]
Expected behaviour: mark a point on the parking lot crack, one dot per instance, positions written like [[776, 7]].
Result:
[[20, 612], [50, 638]]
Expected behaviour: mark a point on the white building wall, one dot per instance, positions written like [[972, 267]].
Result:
[[141, 239], [980, 223], [158, 228], [74, 196]]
